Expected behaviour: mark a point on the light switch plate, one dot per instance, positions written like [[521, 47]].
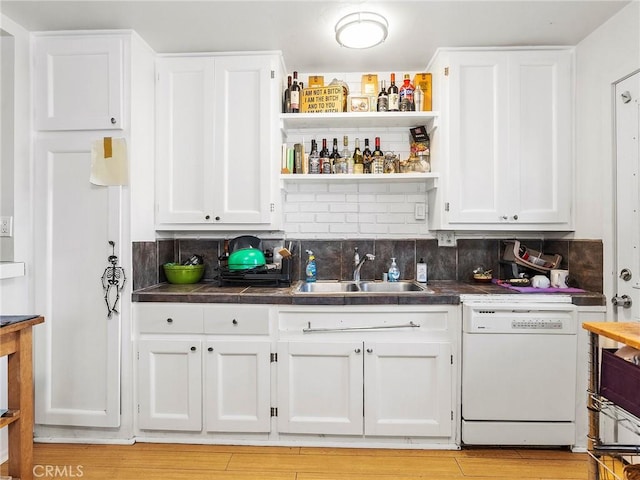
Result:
[[6, 226]]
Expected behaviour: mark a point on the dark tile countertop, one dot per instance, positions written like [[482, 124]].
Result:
[[445, 292]]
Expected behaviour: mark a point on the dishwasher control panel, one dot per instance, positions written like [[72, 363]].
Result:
[[536, 324]]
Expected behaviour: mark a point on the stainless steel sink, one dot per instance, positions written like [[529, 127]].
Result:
[[327, 287], [336, 287], [391, 287]]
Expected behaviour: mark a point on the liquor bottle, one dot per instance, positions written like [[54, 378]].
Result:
[[394, 98], [314, 158], [383, 98], [295, 94], [346, 155], [358, 166], [338, 165], [406, 95], [286, 100], [367, 157], [378, 158], [418, 98], [325, 158]]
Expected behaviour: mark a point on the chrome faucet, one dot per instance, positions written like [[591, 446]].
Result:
[[358, 263]]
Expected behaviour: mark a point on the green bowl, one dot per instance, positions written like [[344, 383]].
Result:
[[183, 274]]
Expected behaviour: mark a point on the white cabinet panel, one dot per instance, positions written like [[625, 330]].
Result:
[[237, 386], [170, 385], [320, 387], [507, 116], [77, 366], [407, 389], [217, 153], [79, 82]]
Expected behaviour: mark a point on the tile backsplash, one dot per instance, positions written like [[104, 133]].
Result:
[[583, 258]]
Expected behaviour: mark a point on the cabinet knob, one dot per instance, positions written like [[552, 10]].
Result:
[[218, 218], [357, 350], [234, 321], [169, 320], [193, 349], [369, 350], [503, 217], [113, 121], [207, 217], [515, 217], [210, 349]]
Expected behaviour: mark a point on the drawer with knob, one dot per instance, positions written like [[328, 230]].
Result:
[[167, 318], [237, 320]]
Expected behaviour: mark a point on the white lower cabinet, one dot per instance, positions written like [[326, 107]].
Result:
[[360, 371], [203, 368], [370, 388], [344, 373]]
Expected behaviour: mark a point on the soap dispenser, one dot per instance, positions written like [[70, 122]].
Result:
[[310, 270], [394, 272]]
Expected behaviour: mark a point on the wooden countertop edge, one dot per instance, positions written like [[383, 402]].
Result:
[[624, 332]]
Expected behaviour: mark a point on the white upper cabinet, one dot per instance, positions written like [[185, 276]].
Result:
[[216, 124], [507, 140], [79, 84]]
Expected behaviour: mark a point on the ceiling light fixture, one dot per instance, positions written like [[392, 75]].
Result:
[[361, 30]]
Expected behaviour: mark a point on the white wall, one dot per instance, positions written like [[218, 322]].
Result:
[[16, 294], [605, 56]]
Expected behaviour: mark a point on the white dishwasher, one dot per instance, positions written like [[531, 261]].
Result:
[[518, 370]]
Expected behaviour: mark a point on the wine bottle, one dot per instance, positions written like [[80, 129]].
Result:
[[406, 95], [295, 94], [367, 157], [347, 166], [314, 158], [394, 97], [325, 158], [383, 98], [358, 165], [338, 166], [378, 158], [286, 100]]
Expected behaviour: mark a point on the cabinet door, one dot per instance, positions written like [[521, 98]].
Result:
[[237, 381], [320, 387], [78, 363], [540, 138], [79, 82], [407, 389], [185, 172], [169, 385], [478, 122], [243, 139]]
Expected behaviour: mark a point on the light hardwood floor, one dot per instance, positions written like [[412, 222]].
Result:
[[198, 462]]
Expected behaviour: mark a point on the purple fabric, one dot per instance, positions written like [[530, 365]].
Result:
[[538, 290]]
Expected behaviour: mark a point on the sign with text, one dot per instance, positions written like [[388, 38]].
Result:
[[322, 100]]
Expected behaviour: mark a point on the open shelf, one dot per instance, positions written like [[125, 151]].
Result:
[[292, 121], [9, 417], [431, 179]]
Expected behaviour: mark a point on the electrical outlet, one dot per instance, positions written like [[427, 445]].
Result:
[[446, 239], [420, 211], [6, 226]]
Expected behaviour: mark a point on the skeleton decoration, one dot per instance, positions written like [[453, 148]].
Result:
[[113, 280]]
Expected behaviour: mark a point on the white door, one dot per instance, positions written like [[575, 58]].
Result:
[[77, 350], [79, 82], [320, 387], [627, 118], [237, 380], [170, 385], [408, 389], [185, 177], [243, 146], [478, 125]]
